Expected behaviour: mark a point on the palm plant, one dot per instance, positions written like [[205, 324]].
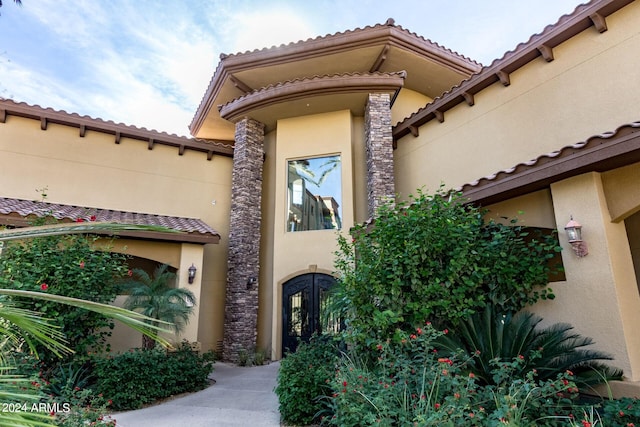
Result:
[[155, 297], [493, 337], [20, 327]]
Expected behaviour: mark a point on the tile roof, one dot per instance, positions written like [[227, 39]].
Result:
[[598, 153], [10, 107], [587, 15], [388, 23], [18, 211]]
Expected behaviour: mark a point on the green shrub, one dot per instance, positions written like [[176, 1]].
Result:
[[72, 265], [436, 258], [303, 380], [137, 377], [623, 412], [412, 384], [552, 350]]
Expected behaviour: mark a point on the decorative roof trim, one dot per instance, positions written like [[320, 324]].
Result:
[[309, 87], [20, 213], [592, 14], [387, 33], [9, 107], [599, 153]]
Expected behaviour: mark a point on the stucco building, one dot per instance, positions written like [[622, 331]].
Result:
[[336, 125]]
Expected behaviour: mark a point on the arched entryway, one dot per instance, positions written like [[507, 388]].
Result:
[[304, 300]]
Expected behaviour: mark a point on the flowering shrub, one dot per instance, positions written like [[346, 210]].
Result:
[[72, 266], [412, 384], [623, 412]]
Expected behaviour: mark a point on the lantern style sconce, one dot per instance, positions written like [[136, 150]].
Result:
[[574, 234], [192, 273]]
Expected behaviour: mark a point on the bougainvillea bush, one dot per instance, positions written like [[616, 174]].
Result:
[[76, 266]]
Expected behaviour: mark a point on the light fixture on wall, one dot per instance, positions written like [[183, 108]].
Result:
[[251, 281], [574, 234], [192, 273]]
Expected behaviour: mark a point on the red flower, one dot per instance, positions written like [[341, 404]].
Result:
[[92, 218], [437, 406], [446, 331], [379, 346], [79, 220], [419, 331], [413, 336], [81, 264], [586, 423], [344, 383], [44, 286], [129, 273]]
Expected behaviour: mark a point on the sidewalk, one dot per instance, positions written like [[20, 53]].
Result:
[[241, 396]]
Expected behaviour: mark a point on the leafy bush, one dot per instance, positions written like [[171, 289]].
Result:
[[303, 380], [412, 384], [550, 351], [623, 412], [73, 266], [137, 377], [436, 258]]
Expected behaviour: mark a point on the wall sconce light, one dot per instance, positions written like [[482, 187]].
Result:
[[251, 281], [192, 273], [574, 234]]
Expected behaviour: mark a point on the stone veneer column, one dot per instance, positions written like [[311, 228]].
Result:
[[241, 309], [379, 142]]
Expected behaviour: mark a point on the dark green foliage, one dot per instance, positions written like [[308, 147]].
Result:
[[436, 258], [303, 380], [623, 412], [411, 384], [494, 336], [138, 377], [74, 266], [157, 297]]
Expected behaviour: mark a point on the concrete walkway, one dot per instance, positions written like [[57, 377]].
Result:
[[241, 396]]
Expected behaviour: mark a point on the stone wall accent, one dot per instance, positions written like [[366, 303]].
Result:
[[379, 142], [241, 309]]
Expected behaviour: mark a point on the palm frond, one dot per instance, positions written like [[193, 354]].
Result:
[[77, 228], [134, 320]]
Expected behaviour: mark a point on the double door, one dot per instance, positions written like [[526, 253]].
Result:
[[304, 309]]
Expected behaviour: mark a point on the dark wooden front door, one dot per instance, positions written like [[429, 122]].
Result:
[[303, 301]]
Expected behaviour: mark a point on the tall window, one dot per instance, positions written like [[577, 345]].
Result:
[[314, 188]]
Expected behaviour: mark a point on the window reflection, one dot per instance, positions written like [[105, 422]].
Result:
[[314, 194]]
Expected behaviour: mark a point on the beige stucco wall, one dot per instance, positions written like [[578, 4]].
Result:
[[93, 171], [302, 252], [591, 87]]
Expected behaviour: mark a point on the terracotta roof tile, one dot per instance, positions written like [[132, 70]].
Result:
[[84, 123], [599, 153], [195, 228], [584, 16], [402, 74]]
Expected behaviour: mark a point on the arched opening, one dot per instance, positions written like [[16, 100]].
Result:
[[304, 309]]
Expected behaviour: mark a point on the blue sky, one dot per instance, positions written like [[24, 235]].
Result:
[[148, 62]]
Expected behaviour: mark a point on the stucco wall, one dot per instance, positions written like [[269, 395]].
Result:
[[306, 251], [93, 171], [590, 87]]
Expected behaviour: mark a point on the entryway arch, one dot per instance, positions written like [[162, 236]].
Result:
[[304, 301]]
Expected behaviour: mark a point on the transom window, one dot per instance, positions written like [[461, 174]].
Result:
[[314, 193]]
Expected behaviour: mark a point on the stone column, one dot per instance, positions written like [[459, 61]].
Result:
[[379, 142], [241, 309]]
